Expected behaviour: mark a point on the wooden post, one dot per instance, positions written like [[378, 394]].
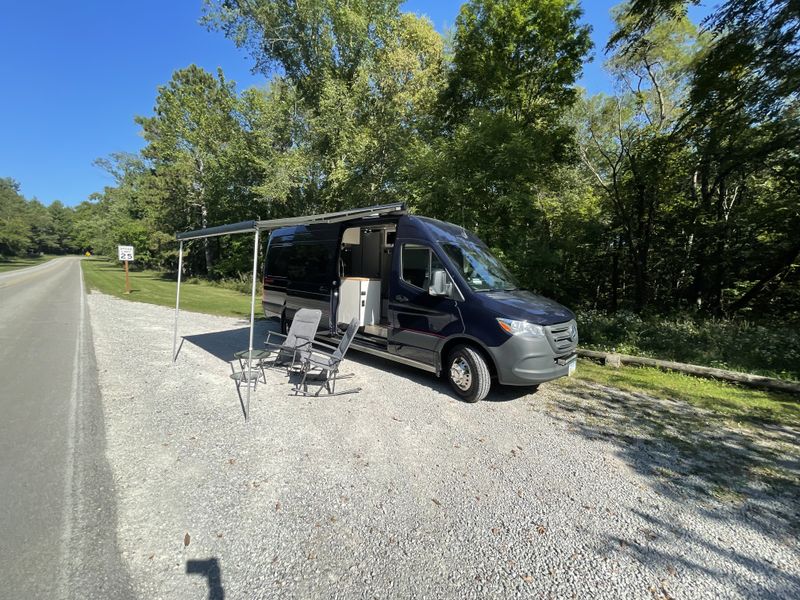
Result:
[[127, 280]]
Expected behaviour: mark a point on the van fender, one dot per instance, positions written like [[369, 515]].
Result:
[[445, 344]]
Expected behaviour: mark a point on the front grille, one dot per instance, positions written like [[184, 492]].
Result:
[[563, 337]]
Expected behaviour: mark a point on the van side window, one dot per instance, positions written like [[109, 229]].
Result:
[[416, 264], [277, 261], [309, 263]]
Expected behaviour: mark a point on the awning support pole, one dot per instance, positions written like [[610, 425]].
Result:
[[252, 321], [177, 303]]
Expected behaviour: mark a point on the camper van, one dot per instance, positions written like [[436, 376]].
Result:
[[426, 293]]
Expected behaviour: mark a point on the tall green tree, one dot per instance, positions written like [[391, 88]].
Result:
[[504, 131], [188, 138], [632, 149], [15, 229], [364, 79]]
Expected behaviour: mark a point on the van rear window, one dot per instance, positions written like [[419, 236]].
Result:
[[277, 260], [311, 263]]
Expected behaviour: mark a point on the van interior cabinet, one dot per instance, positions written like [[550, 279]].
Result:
[[360, 297]]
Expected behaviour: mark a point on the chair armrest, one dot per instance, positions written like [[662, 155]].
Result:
[[330, 347], [267, 342], [306, 341], [321, 358]]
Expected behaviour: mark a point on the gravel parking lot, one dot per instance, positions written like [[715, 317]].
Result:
[[400, 490]]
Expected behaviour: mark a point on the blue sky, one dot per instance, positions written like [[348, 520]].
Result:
[[75, 74]]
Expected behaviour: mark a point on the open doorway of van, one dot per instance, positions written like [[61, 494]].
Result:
[[365, 266]]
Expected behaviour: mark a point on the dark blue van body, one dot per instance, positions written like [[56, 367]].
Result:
[[447, 304]]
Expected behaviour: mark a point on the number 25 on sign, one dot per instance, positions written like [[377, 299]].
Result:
[[126, 254]]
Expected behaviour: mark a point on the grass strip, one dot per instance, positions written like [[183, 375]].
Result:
[[155, 287], [742, 404], [15, 262]]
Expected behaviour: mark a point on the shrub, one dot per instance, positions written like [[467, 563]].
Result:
[[728, 344]]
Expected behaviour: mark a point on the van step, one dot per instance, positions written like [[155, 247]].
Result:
[[377, 330]]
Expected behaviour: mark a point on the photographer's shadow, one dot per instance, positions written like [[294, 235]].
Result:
[[209, 569]]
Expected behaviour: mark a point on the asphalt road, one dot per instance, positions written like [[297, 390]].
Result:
[[57, 508]]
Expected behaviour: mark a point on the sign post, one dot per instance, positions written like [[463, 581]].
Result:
[[125, 254]]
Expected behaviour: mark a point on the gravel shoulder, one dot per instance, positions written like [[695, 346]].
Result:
[[401, 490]]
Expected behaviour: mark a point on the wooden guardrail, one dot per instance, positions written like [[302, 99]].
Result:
[[615, 359]]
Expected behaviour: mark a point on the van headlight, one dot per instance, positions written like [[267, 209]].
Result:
[[520, 327]]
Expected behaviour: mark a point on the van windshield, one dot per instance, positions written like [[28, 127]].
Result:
[[482, 271]]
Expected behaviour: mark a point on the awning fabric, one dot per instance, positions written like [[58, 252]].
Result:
[[397, 208]]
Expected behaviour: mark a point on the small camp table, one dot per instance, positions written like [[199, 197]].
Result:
[[259, 358]]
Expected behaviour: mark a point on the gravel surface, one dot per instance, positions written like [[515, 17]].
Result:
[[398, 491]]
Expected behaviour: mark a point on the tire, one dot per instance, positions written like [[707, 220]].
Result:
[[285, 323], [468, 373]]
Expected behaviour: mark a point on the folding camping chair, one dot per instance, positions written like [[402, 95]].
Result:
[[326, 364], [297, 340]]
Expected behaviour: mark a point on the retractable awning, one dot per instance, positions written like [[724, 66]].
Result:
[[397, 208], [257, 227]]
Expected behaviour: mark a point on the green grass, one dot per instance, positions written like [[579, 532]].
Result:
[[15, 262], [154, 287], [742, 404]]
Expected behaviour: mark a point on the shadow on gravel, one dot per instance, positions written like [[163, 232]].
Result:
[[223, 344], [209, 569], [737, 475]]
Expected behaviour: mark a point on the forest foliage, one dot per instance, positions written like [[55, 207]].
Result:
[[677, 193]]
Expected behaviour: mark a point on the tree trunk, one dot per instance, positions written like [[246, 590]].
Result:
[[785, 261], [614, 304], [209, 256], [640, 280]]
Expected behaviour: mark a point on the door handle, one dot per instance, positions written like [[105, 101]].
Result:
[[401, 298], [323, 288]]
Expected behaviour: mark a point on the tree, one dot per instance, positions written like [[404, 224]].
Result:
[[15, 230], [195, 124], [503, 129], [631, 146], [363, 80]]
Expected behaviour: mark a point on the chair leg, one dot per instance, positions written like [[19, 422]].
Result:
[[332, 387], [302, 382]]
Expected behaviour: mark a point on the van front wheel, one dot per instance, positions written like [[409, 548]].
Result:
[[468, 373]]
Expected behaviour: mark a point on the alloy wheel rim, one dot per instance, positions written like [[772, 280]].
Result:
[[460, 374]]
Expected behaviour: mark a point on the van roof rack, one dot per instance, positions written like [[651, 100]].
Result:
[[398, 208]]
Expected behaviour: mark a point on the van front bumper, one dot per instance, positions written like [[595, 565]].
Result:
[[524, 360]]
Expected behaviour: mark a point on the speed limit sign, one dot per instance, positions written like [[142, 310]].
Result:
[[125, 252]]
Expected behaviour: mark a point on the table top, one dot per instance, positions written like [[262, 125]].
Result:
[[257, 353]]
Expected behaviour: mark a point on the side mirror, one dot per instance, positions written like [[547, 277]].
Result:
[[440, 286]]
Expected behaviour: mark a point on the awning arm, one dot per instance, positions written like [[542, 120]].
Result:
[[177, 304], [252, 323]]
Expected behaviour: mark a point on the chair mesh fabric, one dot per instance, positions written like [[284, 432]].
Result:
[[304, 325], [347, 339]]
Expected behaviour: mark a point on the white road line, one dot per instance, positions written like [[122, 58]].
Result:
[[66, 533]]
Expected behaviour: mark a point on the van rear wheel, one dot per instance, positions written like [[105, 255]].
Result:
[[284, 323], [468, 373]]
